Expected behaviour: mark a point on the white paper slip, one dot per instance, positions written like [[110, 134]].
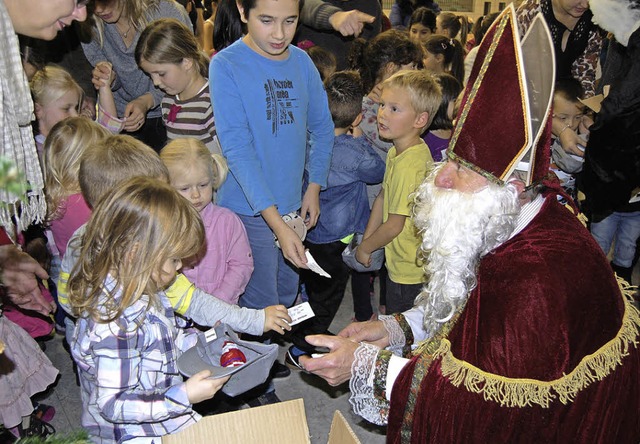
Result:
[[313, 265], [300, 312]]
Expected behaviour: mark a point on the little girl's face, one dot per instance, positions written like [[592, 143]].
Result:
[[167, 272], [433, 62], [195, 185], [53, 112], [171, 78]]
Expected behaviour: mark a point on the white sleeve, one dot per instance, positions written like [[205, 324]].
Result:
[[414, 318], [396, 364]]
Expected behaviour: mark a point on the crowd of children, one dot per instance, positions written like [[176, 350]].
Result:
[[145, 245]]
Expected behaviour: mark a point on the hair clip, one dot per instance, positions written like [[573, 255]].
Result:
[[444, 45], [451, 42], [305, 44]]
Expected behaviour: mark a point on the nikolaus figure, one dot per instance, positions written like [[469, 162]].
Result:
[[522, 333]]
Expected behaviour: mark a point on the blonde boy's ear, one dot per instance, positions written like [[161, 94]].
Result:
[[421, 120], [241, 11]]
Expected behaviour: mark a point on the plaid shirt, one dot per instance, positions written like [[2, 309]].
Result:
[[130, 384]]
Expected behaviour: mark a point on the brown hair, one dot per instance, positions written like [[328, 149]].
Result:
[[170, 41], [344, 93], [372, 57]]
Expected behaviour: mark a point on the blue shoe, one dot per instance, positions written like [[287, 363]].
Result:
[[292, 359]]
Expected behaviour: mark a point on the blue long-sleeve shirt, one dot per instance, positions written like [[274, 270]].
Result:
[[344, 206], [264, 109]]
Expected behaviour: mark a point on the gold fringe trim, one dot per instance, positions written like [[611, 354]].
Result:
[[580, 216], [520, 392]]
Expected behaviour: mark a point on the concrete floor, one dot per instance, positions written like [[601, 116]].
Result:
[[320, 399]]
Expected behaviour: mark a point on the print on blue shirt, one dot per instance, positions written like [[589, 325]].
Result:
[[279, 104]]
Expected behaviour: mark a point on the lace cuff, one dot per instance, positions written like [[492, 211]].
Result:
[[362, 398], [400, 334]]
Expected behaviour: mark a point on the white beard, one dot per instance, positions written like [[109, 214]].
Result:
[[457, 230], [620, 17]]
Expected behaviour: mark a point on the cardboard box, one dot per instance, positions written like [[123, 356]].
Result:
[[282, 423]]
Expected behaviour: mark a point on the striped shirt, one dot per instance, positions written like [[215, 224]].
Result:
[[191, 118]]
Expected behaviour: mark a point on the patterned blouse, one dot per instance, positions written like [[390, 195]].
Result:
[[583, 68]]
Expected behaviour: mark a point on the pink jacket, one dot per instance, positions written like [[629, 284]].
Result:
[[76, 213], [226, 266]]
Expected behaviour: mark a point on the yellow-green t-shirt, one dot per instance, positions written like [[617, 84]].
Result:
[[402, 176]]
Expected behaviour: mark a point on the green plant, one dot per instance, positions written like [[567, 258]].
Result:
[[11, 180]]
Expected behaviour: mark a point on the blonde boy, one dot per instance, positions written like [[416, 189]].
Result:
[[408, 103]]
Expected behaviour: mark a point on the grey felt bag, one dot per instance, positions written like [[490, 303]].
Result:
[[206, 356]]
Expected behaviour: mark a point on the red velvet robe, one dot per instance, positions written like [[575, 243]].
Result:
[[544, 300]]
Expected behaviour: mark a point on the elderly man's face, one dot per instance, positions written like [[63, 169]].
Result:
[[454, 176]]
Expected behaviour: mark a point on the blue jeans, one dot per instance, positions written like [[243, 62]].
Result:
[[625, 229], [274, 280]]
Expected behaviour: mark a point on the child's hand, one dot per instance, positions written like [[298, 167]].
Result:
[[276, 318], [570, 140], [135, 113], [291, 245], [103, 74], [201, 387], [310, 209], [363, 257]]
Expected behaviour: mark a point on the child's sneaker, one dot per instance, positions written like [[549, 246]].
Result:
[[44, 412], [37, 427]]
